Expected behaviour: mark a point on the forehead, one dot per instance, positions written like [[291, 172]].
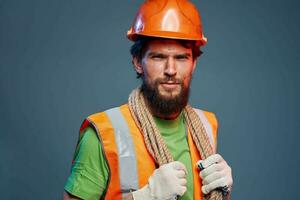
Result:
[[166, 46]]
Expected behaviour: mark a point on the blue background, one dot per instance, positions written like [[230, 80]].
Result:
[[63, 60]]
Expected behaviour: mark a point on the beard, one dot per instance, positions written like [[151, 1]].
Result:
[[165, 105]]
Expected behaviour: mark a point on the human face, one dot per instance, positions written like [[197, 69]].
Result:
[[166, 69], [169, 64]]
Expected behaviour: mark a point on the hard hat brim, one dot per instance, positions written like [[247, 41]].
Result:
[[168, 35]]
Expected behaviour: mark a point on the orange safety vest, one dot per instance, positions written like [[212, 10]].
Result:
[[130, 164]]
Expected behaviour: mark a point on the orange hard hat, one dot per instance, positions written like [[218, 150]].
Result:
[[174, 19]]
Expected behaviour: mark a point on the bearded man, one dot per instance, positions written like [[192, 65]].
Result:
[[156, 146]]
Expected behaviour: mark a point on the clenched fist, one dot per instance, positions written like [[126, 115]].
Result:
[[166, 183], [215, 173]]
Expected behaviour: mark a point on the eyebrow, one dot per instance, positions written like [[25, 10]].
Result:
[[184, 55], [155, 54]]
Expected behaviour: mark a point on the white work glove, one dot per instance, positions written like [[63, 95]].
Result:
[[166, 182], [215, 174]]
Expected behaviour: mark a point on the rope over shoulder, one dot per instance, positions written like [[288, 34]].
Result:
[[154, 141]]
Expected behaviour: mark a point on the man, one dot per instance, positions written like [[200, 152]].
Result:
[[156, 146]]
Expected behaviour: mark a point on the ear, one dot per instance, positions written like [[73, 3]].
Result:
[[137, 65], [194, 65]]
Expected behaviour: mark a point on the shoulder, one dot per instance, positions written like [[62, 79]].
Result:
[[89, 138], [100, 117], [88, 143], [210, 116], [107, 111]]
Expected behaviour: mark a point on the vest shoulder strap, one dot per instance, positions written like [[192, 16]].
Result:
[[210, 124]]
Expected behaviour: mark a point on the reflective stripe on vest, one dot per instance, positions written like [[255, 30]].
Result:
[[129, 161], [207, 123], [126, 152]]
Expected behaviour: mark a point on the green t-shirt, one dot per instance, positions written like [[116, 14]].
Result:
[[90, 171]]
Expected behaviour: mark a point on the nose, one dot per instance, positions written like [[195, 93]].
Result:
[[170, 69]]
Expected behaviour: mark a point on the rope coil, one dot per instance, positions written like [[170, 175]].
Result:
[[154, 141]]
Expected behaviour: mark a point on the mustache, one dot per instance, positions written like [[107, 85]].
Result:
[[169, 79]]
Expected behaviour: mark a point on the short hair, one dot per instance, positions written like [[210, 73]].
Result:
[[138, 49]]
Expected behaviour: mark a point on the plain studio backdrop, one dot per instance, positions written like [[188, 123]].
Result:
[[63, 60]]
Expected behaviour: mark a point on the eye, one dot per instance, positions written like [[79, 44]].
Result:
[[158, 57], [182, 57]]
